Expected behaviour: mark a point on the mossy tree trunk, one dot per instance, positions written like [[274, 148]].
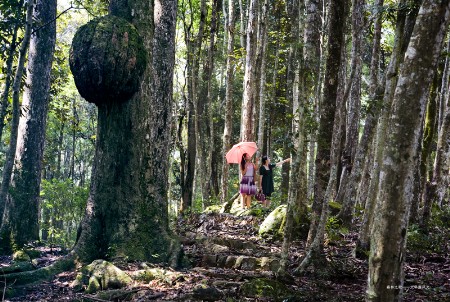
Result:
[[5, 94], [26, 178], [337, 18], [388, 240], [126, 214], [8, 232], [228, 127], [402, 36], [250, 81]]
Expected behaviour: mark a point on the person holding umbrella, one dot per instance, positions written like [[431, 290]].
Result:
[[241, 154], [247, 185]]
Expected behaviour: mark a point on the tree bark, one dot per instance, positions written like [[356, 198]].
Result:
[[248, 101], [24, 191], [402, 36], [400, 150], [5, 94], [354, 101], [227, 131], [126, 214], [8, 216], [328, 107]]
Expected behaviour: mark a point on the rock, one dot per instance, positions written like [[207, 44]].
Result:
[[272, 224], [21, 256], [101, 275], [230, 262], [213, 209], [209, 260], [149, 274], [265, 288], [205, 293], [269, 264], [245, 263]]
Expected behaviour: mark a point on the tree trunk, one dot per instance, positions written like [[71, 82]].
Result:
[[193, 57], [401, 41], [354, 101], [227, 131], [328, 108], [262, 82], [5, 94], [126, 213], [347, 194], [26, 178], [8, 216], [429, 129], [311, 71], [400, 150], [248, 101], [204, 113]]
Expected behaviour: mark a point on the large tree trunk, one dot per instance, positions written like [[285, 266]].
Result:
[[8, 76], [26, 179], [5, 94], [248, 101], [400, 151], [311, 73], [126, 214], [347, 194], [402, 36], [328, 108], [354, 101], [8, 216], [193, 56], [227, 131]]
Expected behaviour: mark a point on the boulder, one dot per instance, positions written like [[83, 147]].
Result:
[[101, 275], [273, 224]]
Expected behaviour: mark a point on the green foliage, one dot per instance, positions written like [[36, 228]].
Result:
[[436, 238], [63, 205], [334, 230]]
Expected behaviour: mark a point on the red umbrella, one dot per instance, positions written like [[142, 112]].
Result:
[[234, 156]]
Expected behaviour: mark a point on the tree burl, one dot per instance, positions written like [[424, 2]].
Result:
[[107, 59]]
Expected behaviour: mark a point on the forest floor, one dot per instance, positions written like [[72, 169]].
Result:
[[228, 261]]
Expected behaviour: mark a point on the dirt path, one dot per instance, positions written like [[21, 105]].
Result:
[[227, 260]]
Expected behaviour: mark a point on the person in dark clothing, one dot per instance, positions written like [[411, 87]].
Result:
[[266, 177]]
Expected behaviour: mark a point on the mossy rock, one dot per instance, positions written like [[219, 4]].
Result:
[[265, 288], [271, 226], [33, 253], [107, 59], [149, 274], [21, 256], [213, 209], [101, 275]]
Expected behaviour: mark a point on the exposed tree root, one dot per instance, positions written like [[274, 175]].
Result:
[[67, 263]]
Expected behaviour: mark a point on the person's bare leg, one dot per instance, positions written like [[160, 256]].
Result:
[[243, 197], [249, 201]]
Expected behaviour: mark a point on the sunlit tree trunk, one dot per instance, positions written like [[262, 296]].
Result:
[[354, 101], [402, 35], [248, 101], [26, 178], [388, 240], [312, 54], [8, 76], [194, 47], [9, 216], [204, 114], [337, 17], [227, 132]]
